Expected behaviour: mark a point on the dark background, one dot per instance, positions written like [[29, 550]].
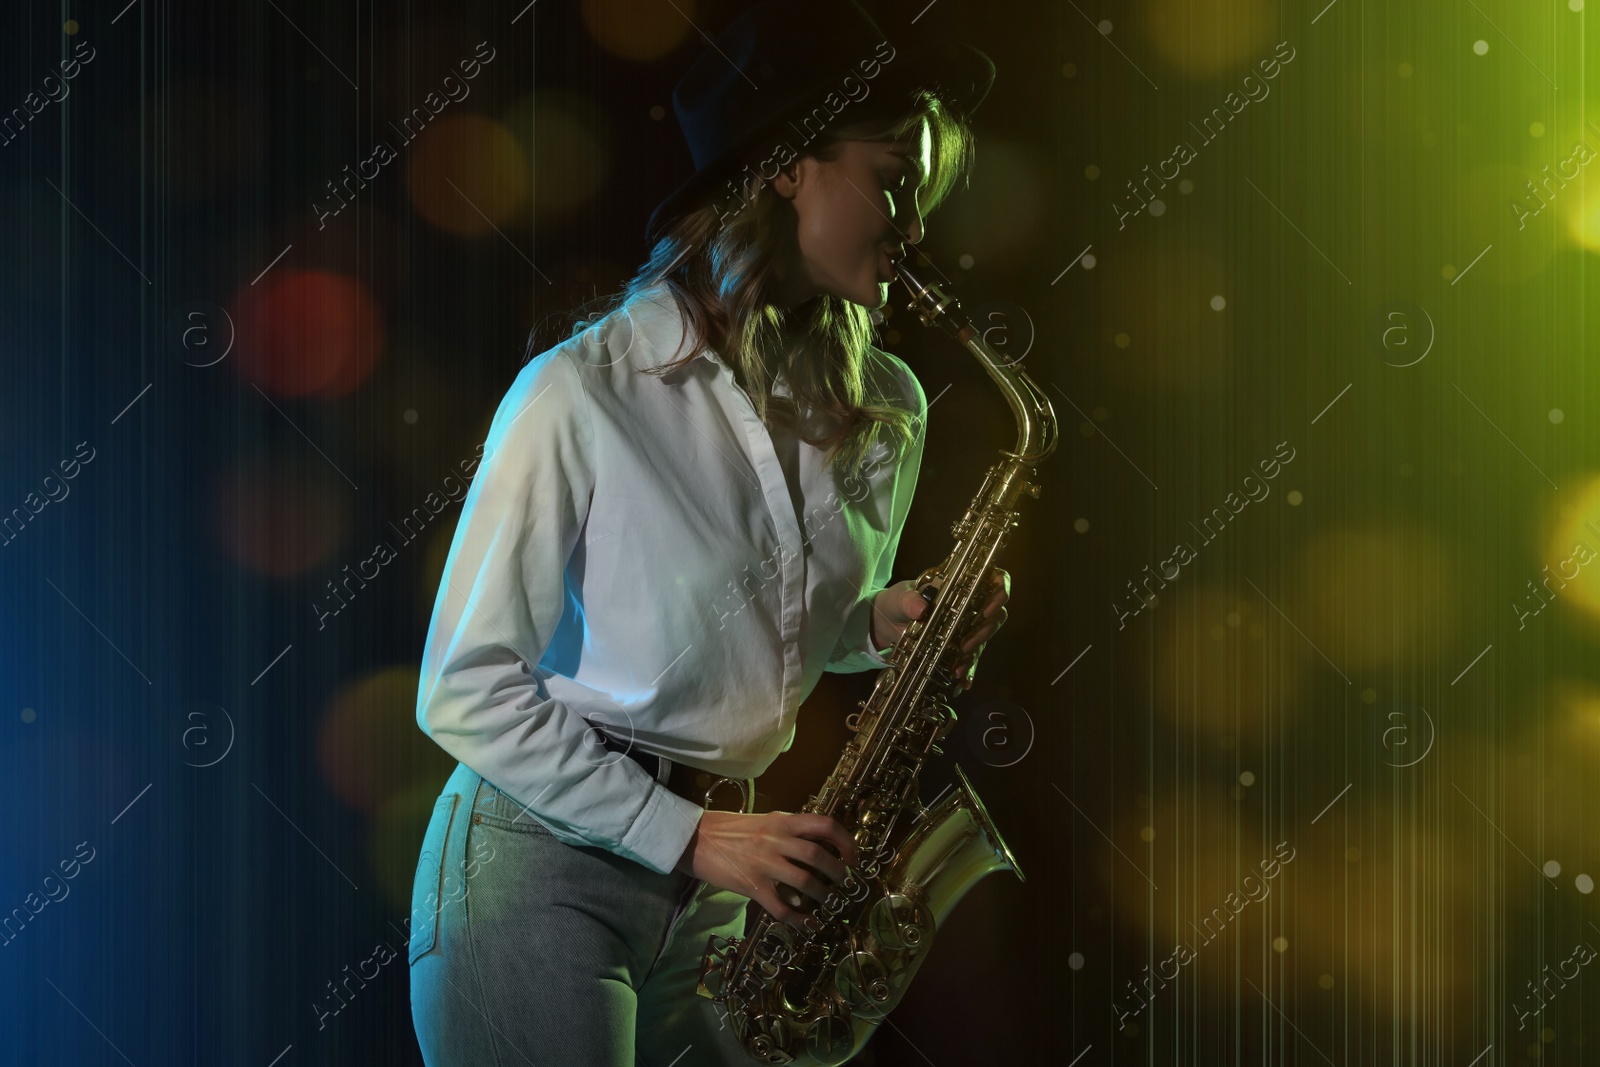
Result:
[[264, 396]]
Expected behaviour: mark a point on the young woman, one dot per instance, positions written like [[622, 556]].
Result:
[[685, 513]]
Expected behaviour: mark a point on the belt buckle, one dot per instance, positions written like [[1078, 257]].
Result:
[[746, 794]]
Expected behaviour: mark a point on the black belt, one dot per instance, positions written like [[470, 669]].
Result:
[[714, 792]]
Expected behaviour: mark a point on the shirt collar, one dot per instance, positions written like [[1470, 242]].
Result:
[[657, 302], [657, 305]]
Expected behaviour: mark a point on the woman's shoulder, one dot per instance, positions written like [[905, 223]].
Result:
[[600, 356], [646, 329], [893, 380]]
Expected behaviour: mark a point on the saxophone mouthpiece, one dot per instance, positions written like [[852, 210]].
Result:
[[909, 277]]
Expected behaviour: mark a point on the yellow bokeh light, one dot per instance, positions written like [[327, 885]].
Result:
[[1540, 783], [468, 175], [1584, 223], [569, 138], [1403, 919], [641, 32], [369, 745], [1497, 206], [1571, 558], [1204, 38], [1212, 676], [1376, 595], [398, 828]]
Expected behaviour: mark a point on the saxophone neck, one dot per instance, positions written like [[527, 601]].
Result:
[[1034, 414]]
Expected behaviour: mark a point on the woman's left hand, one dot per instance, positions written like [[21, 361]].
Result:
[[900, 603], [993, 617]]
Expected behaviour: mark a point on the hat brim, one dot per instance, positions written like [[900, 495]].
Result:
[[960, 74]]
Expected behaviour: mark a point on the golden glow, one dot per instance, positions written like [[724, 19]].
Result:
[[641, 32], [1212, 674], [1204, 38], [1569, 567], [1375, 595], [570, 137], [468, 175], [369, 746]]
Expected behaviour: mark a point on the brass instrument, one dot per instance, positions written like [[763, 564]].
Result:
[[821, 995]]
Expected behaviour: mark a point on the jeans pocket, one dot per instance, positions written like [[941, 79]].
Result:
[[501, 811], [428, 889]]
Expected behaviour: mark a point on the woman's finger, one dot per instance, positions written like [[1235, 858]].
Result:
[[982, 634]]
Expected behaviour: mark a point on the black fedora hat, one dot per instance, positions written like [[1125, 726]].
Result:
[[781, 59]]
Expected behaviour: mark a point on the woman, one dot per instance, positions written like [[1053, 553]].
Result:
[[685, 514]]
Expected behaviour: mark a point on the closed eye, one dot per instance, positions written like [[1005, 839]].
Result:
[[899, 187]]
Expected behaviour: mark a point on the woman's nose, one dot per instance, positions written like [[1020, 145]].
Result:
[[914, 228]]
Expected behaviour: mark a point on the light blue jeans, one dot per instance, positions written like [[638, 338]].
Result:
[[526, 950]]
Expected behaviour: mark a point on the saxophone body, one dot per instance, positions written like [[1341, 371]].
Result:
[[818, 997]]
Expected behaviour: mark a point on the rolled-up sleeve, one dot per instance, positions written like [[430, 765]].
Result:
[[855, 650], [500, 600]]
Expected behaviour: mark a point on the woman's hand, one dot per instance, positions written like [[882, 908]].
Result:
[[897, 605], [750, 854]]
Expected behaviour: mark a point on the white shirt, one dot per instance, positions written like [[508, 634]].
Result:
[[680, 574]]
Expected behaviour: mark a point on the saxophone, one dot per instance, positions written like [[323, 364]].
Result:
[[789, 994]]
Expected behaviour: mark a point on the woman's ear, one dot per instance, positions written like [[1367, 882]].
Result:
[[788, 179]]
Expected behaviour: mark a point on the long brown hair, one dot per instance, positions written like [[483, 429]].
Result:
[[720, 269]]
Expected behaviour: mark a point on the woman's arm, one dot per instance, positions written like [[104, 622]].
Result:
[[502, 594], [856, 649]]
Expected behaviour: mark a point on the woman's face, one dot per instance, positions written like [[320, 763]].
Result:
[[853, 214]]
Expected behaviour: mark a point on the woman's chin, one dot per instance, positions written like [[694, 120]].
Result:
[[875, 297], [870, 295]]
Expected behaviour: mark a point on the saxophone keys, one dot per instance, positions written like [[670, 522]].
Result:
[[900, 923], [863, 982], [828, 1035], [713, 984]]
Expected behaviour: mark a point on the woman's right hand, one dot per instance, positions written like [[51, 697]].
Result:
[[749, 854]]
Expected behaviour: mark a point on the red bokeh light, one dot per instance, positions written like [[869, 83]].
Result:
[[307, 333]]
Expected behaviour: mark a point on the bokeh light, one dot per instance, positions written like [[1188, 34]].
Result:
[[369, 746], [360, 243], [1572, 555], [307, 332], [1376, 595], [1523, 241], [1396, 922], [1205, 38], [1216, 669], [641, 32], [572, 138], [467, 174], [1197, 855], [1539, 782], [398, 828]]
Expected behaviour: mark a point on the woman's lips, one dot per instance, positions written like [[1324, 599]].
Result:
[[887, 265]]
